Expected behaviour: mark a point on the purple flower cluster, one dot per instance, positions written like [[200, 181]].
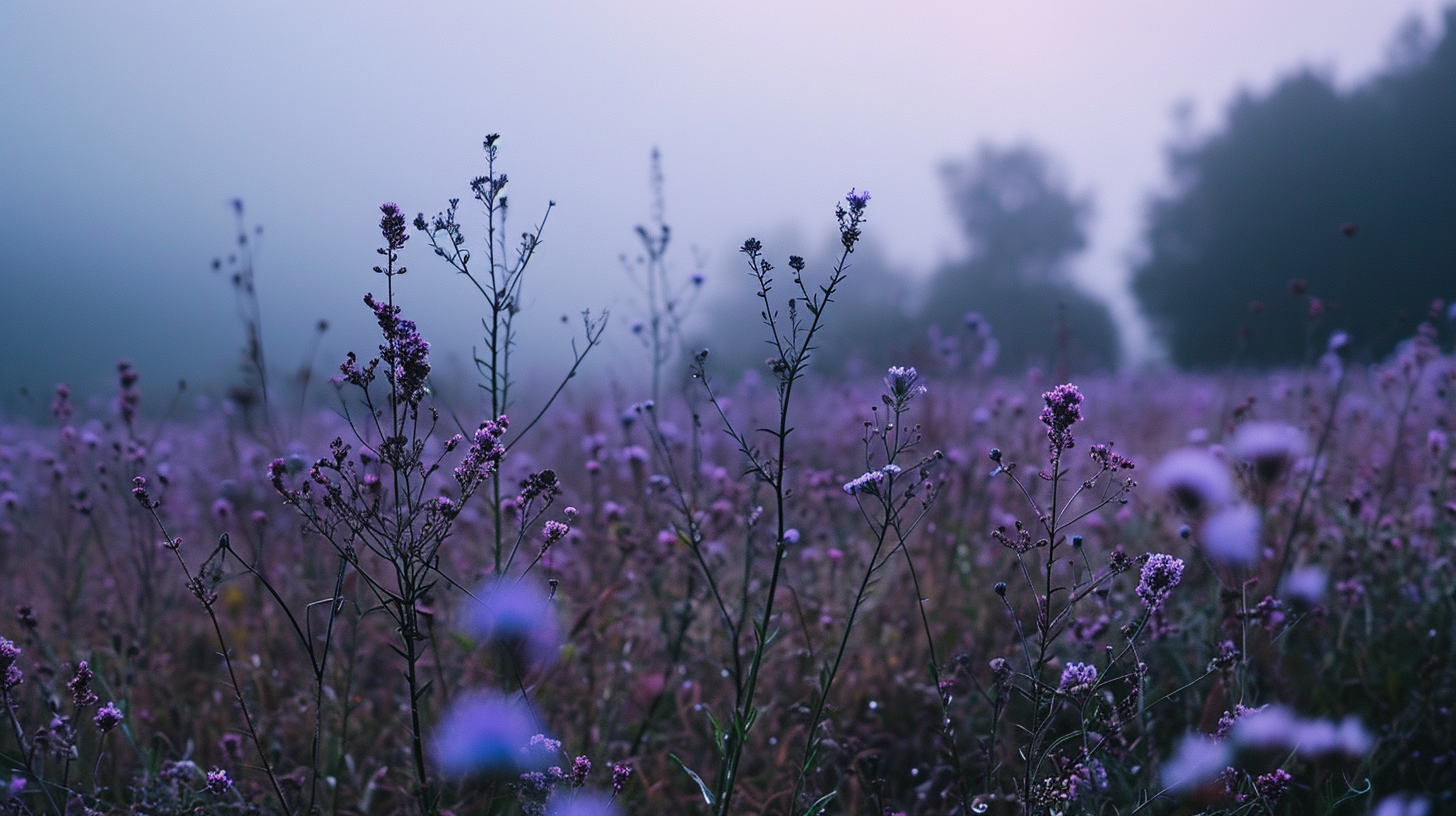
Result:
[[1078, 678], [1161, 572], [128, 395], [108, 717], [218, 782], [406, 355], [869, 483], [1063, 410], [484, 454], [80, 686], [10, 675], [903, 383], [392, 226]]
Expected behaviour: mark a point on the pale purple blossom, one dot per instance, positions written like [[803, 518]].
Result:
[[1270, 447], [482, 733], [518, 618], [1198, 761], [1197, 479], [1231, 536]]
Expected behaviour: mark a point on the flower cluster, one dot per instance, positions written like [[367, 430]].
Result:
[[108, 717], [1063, 410], [405, 353], [1161, 572], [1078, 678], [10, 674], [903, 383], [484, 454], [869, 483]]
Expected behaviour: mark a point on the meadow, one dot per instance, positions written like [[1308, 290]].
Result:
[[920, 591]]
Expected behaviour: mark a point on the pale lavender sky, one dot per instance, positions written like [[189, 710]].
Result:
[[127, 127]]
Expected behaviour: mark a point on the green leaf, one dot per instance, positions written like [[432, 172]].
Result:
[[702, 786], [819, 804]]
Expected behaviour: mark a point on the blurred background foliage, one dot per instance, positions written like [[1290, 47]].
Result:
[[1353, 192]]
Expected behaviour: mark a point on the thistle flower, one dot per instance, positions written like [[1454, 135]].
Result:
[[1198, 481]]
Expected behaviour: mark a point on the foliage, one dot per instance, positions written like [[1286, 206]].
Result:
[[1265, 200]]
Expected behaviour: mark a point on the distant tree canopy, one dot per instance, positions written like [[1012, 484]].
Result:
[[1023, 226], [1354, 193]]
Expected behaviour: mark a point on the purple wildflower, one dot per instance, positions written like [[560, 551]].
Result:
[[1231, 536], [621, 772], [405, 353], [1402, 805], [1160, 574], [218, 782], [1063, 410], [583, 805], [482, 733], [1269, 446], [1197, 762], [108, 717], [580, 767], [1271, 786], [1198, 481], [903, 383], [1078, 678], [391, 225], [518, 619], [80, 686], [484, 454], [10, 675]]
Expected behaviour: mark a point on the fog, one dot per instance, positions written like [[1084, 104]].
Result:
[[128, 129]]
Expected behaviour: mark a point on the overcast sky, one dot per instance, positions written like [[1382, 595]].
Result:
[[125, 129]]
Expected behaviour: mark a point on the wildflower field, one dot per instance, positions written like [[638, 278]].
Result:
[[915, 591]]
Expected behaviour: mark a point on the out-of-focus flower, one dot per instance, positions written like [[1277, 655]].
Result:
[[1269, 447], [482, 733], [1275, 728], [1198, 761], [582, 804], [1231, 536], [1196, 479], [1402, 805], [1306, 585], [517, 617]]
